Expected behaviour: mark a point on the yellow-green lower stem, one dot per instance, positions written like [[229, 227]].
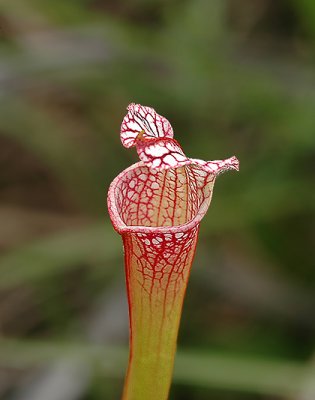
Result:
[[155, 295]]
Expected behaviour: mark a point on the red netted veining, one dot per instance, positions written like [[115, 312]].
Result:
[[146, 120], [157, 205], [161, 153], [152, 135], [160, 262], [158, 212], [155, 198]]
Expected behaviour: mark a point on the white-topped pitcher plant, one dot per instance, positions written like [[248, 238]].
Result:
[[156, 205]]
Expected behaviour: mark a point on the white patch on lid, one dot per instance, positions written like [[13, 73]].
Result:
[[156, 151], [156, 162], [179, 157], [134, 126], [143, 156], [170, 160], [172, 146], [150, 119]]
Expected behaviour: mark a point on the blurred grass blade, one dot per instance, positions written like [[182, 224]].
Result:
[[208, 370], [239, 373], [43, 258], [58, 148]]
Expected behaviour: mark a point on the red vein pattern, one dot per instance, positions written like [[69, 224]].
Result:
[[143, 119], [160, 209], [161, 153], [157, 205], [158, 214], [156, 285], [152, 135], [145, 197]]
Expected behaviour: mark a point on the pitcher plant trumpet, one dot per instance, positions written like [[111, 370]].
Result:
[[156, 205]]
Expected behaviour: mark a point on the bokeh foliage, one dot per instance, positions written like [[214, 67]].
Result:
[[233, 77]]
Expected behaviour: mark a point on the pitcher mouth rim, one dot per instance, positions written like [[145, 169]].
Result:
[[121, 227]]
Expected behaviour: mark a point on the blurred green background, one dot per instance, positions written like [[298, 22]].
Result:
[[233, 77]]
